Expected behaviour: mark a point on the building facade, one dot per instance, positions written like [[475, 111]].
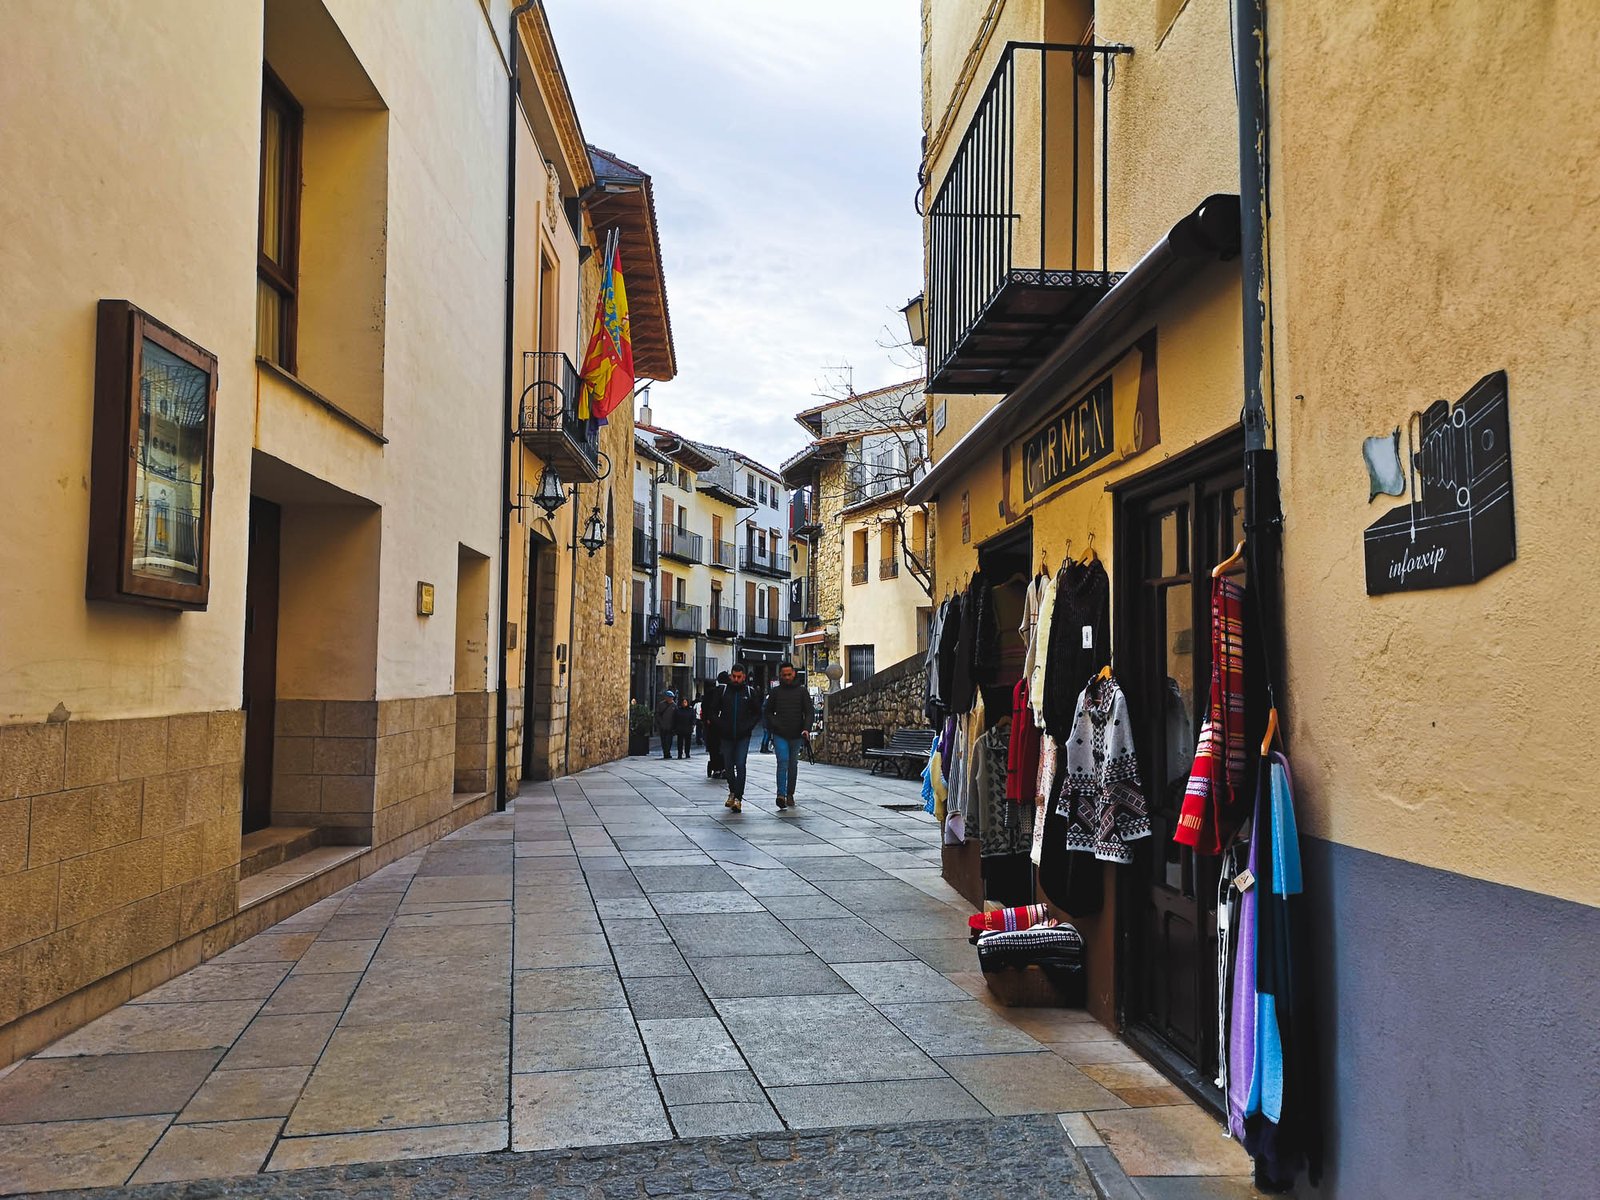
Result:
[[869, 579], [281, 420], [1085, 378]]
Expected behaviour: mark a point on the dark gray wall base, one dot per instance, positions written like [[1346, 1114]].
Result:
[[1460, 1032]]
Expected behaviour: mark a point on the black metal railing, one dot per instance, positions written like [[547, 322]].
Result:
[[1020, 201], [722, 619], [549, 406], [858, 573], [639, 512], [753, 559], [722, 555], [766, 627], [888, 568], [644, 548], [680, 618], [646, 629], [706, 668], [682, 545]]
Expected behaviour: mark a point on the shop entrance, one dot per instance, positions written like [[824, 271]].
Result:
[[1172, 531]]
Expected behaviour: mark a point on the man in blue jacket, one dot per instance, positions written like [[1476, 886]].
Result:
[[738, 713]]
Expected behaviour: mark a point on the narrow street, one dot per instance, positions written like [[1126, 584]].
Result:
[[615, 963]]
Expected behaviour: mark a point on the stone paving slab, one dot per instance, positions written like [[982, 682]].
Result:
[[615, 962]]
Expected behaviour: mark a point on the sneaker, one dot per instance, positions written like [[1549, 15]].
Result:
[[737, 805], [782, 800], [788, 801], [728, 803]]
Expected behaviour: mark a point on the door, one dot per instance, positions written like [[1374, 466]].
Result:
[[1172, 538], [530, 645], [260, 661]]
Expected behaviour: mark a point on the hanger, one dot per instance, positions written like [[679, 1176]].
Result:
[[1226, 564], [1105, 674], [1089, 553], [1272, 731]]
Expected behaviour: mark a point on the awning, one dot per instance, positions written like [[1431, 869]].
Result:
[[812, 637], [1209, 233], [762, 655]]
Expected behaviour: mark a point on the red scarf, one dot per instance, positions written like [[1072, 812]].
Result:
[[1210, 800]]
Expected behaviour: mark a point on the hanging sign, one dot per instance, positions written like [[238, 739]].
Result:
[[1459, 524]]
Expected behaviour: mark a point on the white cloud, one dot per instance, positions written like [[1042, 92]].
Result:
[[783, 144]]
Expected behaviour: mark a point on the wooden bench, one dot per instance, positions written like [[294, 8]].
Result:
[[907, 752]]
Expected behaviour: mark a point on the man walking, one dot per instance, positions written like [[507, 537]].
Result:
[[789, 720], [738, 711], [665, 707], [708, 716]]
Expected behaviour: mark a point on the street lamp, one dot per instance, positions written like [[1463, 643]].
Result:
[[551, 495], [594, 533], [916, 321]]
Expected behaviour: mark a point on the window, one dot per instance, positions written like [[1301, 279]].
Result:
[[750, 486], [860, 663], [858, 556], [278, 233], [772, 497], [683, 478], [761, 488]]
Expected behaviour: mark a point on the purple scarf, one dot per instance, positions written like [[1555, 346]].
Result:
[[1242, 1020]]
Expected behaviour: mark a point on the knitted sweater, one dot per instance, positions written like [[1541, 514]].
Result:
[[1103, 800]]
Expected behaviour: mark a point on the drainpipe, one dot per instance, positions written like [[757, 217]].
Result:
[[509, 422], [1263, 518]]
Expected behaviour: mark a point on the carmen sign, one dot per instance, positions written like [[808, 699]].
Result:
[[1460, 523], [1078, 438]]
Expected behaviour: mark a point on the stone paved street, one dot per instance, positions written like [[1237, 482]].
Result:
[[617, 961]]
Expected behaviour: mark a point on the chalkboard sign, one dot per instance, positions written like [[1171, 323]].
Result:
[[1459, 524]]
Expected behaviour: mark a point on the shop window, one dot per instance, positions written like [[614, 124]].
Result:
[[860, 663], [278, 230]]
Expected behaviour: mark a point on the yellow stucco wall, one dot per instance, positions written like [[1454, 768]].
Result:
[[881, 613], [1447, 727]]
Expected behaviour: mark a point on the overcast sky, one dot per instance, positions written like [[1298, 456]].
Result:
[[783, 143]]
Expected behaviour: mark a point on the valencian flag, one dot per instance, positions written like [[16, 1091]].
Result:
[[608, 362]]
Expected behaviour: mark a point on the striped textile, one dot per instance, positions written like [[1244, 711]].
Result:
[[1210, 799], [1008, 919], [1039, 935]]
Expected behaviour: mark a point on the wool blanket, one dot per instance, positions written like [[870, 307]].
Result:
[[1211, 799]]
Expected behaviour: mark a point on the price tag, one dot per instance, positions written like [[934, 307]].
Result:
[[1088, 637], [1244, 880]]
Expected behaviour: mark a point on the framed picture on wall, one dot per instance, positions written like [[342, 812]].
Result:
[[155, 402]]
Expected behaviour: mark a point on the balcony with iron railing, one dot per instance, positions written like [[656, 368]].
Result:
[[646, 629], [858, 573], [680, 619], [803, 601], [644, 548], [722, 621], [722, 555], [1020, 218], [888, 568], [706, 667], [547, 417], [774, 629], [763, 562], [682, 545]]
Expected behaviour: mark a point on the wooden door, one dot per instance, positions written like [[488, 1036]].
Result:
[[260, 661], [1171, 540]]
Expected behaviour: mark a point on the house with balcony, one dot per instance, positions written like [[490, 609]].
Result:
[[867, 584]]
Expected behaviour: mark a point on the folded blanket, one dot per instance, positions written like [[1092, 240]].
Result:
[[1009, 918]]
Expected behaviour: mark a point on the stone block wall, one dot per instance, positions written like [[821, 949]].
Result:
[[474, 766], [118, 839], [890, 700], [514, 735], [415, 764], [829, 498]]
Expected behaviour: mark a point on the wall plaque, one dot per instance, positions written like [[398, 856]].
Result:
[[1459, 524]]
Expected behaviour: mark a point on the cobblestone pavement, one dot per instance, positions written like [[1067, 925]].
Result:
[[1016, 1157], [617, 961]]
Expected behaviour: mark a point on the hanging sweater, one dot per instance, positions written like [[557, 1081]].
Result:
[[950, 651], [1083, 603], [932, 700], [1037, 677], [1032, 601], [1022, 757], [1102, 800]]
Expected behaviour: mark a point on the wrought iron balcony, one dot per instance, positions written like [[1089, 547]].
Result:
[[888, 568], [547, 417], [858, 573], [1020, 218], [770, 628], [646, 629], [644, 548], [722, 555], [763, 562], [680, 619], [803, 600], [706, 668], [723, 621], [682, 545]]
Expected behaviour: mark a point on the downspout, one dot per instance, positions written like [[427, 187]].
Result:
[[509, 420], [572, 632], [1263, 517]]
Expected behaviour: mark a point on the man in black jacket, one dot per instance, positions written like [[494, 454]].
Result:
[[789, 719], [738, 713]]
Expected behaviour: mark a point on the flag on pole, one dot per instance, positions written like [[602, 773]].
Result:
[[608, 362]]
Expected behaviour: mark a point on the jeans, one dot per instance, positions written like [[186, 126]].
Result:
[[737, 751], [683, 745], [788, 763]]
